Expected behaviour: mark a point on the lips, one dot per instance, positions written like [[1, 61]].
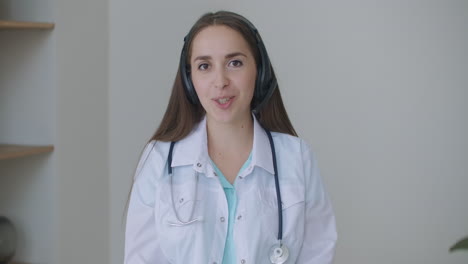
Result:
[[224, 102]]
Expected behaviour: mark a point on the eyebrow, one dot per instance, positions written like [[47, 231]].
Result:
[[228, 56]]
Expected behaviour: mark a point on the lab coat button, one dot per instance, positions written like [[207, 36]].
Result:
[[239, 217], [181, 200], [243, 261], [222, 219], [241, 177], [199, 165], [215, 262], [215, 174]]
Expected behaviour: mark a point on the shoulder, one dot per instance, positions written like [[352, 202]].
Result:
[[293, 152], [290, 144], [153, 157]]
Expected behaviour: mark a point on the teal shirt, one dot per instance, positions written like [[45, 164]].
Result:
[[229, 256]]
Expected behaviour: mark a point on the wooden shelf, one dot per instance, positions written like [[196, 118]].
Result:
[[18, 151], [7, 24]]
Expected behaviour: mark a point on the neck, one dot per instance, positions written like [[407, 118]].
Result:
[[232, 139]]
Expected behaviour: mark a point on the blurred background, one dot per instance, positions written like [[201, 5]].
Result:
[[378, 88]]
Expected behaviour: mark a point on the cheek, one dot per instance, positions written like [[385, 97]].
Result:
[[251, 84], [199, 86]]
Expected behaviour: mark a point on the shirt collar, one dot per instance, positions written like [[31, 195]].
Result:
[[193, 149]]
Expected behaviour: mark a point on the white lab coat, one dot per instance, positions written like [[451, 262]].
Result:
[[309, 229]]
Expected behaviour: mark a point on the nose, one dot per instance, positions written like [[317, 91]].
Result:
[[221, 79]]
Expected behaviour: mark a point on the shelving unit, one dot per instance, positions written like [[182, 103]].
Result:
[[5, 24], [18, 151], [9, 151], [27, 49]]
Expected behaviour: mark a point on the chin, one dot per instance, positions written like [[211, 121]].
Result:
[[227, 118], [221, 119]]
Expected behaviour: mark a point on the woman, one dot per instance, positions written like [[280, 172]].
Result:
[[225, 155]]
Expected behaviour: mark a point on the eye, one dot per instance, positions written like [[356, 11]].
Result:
[[203, 66], [235, 63]]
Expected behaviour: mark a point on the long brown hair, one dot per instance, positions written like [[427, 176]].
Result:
[[181, 116]]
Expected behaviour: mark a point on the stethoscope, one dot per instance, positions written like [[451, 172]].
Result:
[[279, 253]]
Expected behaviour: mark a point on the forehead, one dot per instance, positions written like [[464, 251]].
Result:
[[219, 40]]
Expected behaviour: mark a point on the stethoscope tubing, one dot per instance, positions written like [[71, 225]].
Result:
[[277, 185]]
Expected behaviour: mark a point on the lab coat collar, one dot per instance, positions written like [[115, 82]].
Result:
[[193, 150]]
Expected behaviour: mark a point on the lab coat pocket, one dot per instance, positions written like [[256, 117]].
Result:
[[290, 197], [180, 218], [183, 204], [293, 213], [293, 209]]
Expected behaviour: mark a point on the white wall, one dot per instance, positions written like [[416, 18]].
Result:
[[377, 87], [82, 132]]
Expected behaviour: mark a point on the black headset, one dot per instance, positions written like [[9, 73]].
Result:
[[265, 84]]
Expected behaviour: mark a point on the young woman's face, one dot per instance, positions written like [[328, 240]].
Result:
[[223, 72]]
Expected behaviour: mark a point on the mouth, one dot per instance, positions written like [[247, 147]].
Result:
[[223, 100]]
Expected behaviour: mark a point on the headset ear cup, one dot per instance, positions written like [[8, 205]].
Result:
[[258, 88], [265, 83], [189, 89]]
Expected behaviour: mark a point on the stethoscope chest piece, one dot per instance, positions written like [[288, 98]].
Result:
[[279, 254]]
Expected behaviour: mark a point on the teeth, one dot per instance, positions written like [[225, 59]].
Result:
[[223, 100]]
